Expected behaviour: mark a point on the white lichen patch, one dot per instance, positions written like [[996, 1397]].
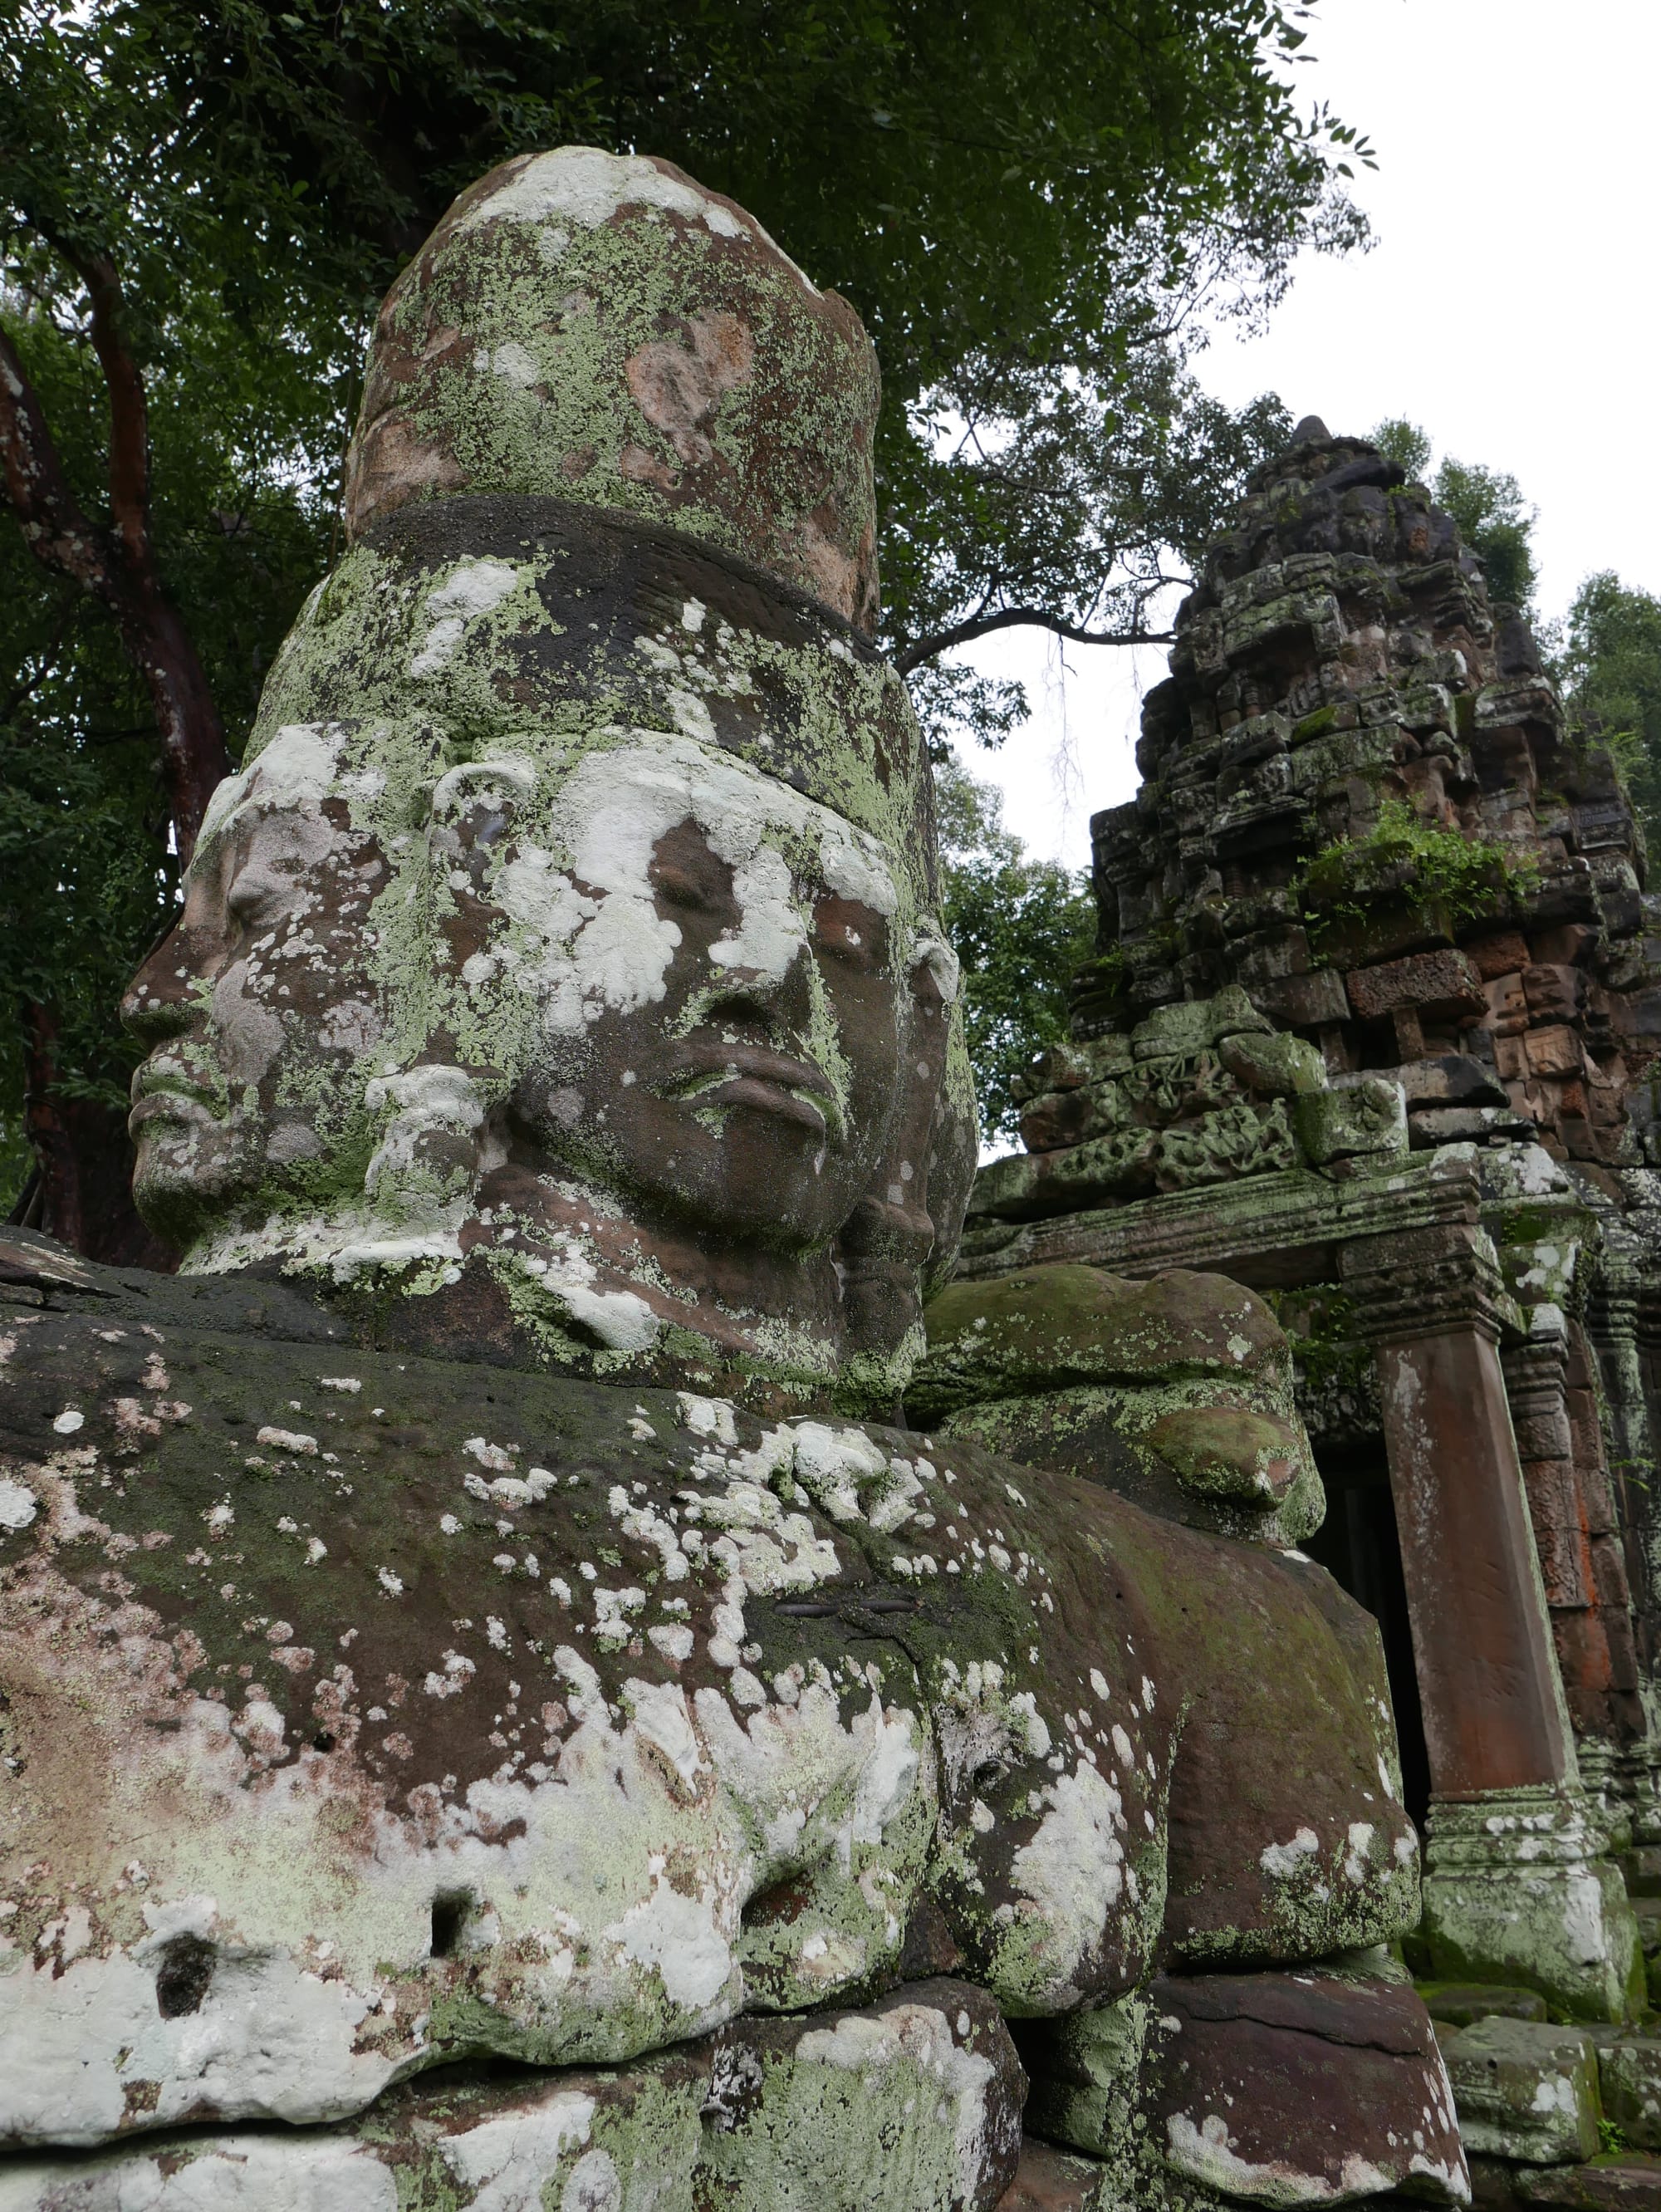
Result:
[[607, 1880], [1284, 1860], [471, 590], [584, 931], [18, 1506], [1205, 2150]]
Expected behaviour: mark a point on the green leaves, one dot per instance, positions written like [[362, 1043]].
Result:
[[1025, 202], [1610, 670], [1019, 928], [1086, 503], [1405, 856], [1486, 503]]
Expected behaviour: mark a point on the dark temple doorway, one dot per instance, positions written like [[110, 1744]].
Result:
[[1357, 1545]]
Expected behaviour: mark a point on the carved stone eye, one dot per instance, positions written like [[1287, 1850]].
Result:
[[678, 887]]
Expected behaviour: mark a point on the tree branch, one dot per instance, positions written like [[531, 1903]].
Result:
[[130, 424], [963, 633], [54, 528], [26, 686]]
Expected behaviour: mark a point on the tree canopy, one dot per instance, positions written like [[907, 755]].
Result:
[[1020, 926], [1030, 204], [1610, 666], [1487, 505]]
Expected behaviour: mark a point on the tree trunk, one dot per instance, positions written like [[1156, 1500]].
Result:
[[85, 1161], [82, 1189], [116, 566]]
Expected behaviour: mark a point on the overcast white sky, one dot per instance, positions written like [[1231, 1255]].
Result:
[[1509, 306]]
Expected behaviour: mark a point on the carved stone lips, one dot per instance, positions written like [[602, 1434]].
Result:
[[163, 1091], [766, 1081]]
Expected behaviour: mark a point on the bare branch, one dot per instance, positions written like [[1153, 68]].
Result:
[[964, 633], [129, 427]]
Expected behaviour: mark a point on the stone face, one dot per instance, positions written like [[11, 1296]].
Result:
[[1525, 2090], [659, 963]]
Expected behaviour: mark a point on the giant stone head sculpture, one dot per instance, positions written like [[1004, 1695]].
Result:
[[561, 983], [566, 953]]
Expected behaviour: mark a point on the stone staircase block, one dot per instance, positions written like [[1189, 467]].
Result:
[[1462, 2004], [1629, 2079], [1525, 2090]]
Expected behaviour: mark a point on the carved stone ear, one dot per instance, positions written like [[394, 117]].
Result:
[[475, 799], [952, 1150], [901, 1238], [469, 827]]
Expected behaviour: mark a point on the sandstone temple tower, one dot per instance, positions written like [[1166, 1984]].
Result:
[[1371, 1027]]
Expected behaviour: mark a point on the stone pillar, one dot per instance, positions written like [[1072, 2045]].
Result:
[[1519, 1886], [1620, 1323], [1431, 1300], [1566, 1477], [1616, 1320]]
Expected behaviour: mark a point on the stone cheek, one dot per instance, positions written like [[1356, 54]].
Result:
[[362, 1727]]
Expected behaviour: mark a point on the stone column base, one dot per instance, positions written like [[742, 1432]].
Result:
[[1519, 1889]]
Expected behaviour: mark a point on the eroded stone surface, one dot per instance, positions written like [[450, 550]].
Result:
[[1300, 2090], [598, 328], [1525, 2090], [1177, 1393], [1316, 2088], [920, 2095], [383, 1720], [1629, 2085], [1051, 2180]]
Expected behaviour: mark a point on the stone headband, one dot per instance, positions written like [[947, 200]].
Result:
[[483, 621]]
